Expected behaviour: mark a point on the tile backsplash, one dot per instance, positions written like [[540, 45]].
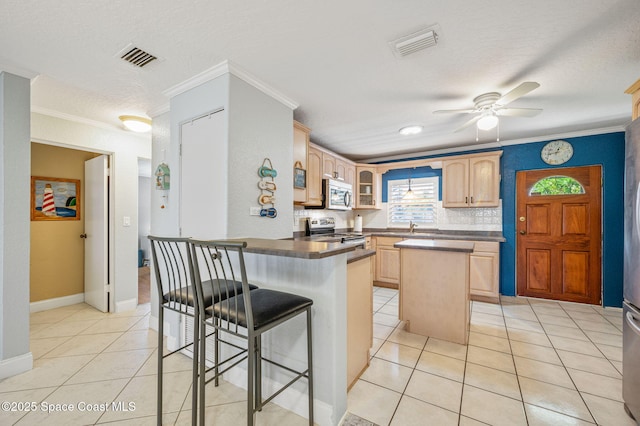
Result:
[[463, 219]]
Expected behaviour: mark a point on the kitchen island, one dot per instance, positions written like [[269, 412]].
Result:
[[319, 271], [434, 288]]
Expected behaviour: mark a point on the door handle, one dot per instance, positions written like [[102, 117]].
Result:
[[83, 236], [523, 232]]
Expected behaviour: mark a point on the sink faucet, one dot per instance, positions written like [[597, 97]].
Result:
[[412, 226]]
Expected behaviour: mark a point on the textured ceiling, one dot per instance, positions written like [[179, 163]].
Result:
[[333, 59]]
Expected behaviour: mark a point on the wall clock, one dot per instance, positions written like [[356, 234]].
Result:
[[556, 152]]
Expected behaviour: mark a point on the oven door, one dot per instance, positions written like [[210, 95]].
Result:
[[338, 195]]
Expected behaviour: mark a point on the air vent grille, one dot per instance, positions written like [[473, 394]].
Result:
[[138, 57], [414, 42]]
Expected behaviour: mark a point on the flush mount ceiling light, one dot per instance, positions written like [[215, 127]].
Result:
[[135, 123], [487, 121], [410, 130]]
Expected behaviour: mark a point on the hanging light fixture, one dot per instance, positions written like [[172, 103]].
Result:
[[409, 195], [135, 123], [488, 121]]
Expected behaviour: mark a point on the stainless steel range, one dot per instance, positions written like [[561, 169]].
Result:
[[323, 229]]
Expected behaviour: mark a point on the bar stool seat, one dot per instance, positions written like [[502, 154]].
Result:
[[211, 292], [269, 307]]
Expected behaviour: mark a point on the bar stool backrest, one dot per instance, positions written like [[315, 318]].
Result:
[[173, 271], [220, 266]]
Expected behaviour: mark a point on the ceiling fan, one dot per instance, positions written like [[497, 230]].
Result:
[[489, 106]]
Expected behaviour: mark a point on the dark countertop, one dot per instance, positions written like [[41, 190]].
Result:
[[439, 245], [359, 254], [293, 248], [429, 234]]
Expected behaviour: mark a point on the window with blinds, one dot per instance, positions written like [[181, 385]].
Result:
[[419, 207]]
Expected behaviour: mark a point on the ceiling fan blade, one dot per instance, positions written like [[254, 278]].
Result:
[[468, 123], [519, 112], [519, 91], [455, 111]]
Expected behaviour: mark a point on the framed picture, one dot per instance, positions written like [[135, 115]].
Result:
[[55, 198], [299, 176]]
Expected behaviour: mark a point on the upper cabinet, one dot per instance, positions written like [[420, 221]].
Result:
[[300, 157], [314, 177], [471, 181], [324, 164], [366, 190]]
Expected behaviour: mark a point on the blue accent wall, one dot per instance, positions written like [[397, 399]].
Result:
[[606, 150]]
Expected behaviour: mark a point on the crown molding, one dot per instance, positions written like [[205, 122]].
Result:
[[159, 110], [19, 71], [227, 67]]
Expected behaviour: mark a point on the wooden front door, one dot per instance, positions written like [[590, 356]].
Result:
[[558, 227]]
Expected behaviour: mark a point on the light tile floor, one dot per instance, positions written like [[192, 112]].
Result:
[[528, 362], [86, 360]]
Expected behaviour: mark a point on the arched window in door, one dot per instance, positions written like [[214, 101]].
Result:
[[557, 185]]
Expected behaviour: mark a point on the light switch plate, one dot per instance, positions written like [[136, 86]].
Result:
[[254, 211], [126, 221]]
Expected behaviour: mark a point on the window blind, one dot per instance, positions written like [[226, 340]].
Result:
[[420, 209]]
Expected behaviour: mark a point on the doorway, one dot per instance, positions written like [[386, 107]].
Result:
[[558, 225], [144, 229]]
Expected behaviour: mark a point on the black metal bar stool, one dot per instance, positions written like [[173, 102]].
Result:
[[247, 315], [174, 280]]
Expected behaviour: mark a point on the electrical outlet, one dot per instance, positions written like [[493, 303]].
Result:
[[254, 211]]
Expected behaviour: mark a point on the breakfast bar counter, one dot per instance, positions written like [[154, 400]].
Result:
[[317, 270]]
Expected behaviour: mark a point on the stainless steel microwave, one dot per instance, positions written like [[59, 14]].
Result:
[[337, 195]]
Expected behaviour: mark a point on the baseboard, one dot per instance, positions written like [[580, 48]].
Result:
[[386, 285], [58, 302], [16, 365], [126, 305]]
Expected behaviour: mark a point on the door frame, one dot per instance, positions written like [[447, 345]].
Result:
[[601, 242], [111, 220]]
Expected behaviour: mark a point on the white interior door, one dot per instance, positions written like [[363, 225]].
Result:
[[96, 229]]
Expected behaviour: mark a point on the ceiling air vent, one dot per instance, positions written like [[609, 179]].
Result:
[[138, 57], [414, 42]]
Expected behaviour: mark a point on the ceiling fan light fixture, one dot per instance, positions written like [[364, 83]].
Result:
[[410, 130], [135, 123], [487, 122]]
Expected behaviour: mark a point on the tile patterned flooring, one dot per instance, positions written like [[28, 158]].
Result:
[[528, 362]]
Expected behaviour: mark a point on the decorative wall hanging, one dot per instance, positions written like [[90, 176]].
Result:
[[299, 176], [267, 187], [55, 198], [163, 175]]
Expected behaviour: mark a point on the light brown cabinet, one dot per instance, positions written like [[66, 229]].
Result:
[[359, 318], [471, 181], [328, 166], [484, 273], [300, 155], [366, 188], [387, 262], [314, 177]]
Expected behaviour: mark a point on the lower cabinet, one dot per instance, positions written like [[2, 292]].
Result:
[[359, 318], [484, 273], [387, 262]]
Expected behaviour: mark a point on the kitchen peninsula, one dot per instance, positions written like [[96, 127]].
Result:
[[319, 271], [434, 288]]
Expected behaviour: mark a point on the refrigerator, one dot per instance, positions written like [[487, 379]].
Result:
[[631, 304]]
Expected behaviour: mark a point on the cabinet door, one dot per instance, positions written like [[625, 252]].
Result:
[[455, 183], [484, 264], [388, 265], [341, 169], [366, 188], [300, 149], [350, 176], [314, 178], [328, 166], [484, 181]]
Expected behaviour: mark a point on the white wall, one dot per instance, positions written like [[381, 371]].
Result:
[[15, 159], [259, 127], [126, 148]]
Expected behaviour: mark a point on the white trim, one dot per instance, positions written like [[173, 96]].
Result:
[[127, 305], [159, 110], [16, 365], [225, 67], [19, 71], [87, 121], [57, 302], [489, 145]]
